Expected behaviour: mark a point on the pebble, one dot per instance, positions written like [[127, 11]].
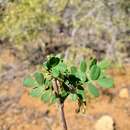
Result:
[[104, 123], [124, 93]]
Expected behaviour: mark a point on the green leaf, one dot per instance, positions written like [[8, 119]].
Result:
[[36, 92], [39, 77], [62, 67], [81, 94], [106, 82], [93, 90], [29, 82], [79, 91], [63, 95], [95, 72], [52, 99], [53, 61], [46, 96], [73, 70], [83, 66], [104, 64], [74, 97], [55, 72], [80, 87], [73, 79], [47, 83], [82, 76], [45, 65], [59, 69], [92, 62]]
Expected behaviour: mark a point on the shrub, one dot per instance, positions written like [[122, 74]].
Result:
[[57, 81], [23, 20]]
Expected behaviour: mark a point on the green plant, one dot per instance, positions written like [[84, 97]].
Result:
[[57, 81]]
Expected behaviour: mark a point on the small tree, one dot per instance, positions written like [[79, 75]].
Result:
[[57, 81]]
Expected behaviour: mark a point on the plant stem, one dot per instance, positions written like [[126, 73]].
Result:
[[60, 106], [62, 114]]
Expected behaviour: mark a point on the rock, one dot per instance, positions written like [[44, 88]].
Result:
[[104, 123], [124, 93]]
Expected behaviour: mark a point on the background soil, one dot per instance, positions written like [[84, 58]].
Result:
[[19, 111]]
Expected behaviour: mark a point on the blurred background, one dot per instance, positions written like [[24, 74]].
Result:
[[32, 29]]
